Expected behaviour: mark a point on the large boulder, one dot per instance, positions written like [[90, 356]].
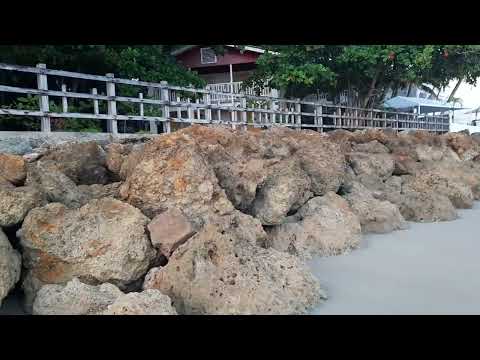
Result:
[[378, 164], [84, 163], [219, 272], [103, 241], [10, 266], [15, 203], [323, 226], [172, 172], [12, 168], [321, 158], [459, 193], [77, 298], [466, 147], [372, 147], [428, 206], [54, 184], [376, 216], [285, 190], [74, 298], [148, 302]]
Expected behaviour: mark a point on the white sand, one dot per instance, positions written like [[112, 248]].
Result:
[[428, 269]]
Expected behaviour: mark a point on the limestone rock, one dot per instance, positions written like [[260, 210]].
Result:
[[323, 226], [77, 298], [459, 193], [56, 186], [375, 216], [381, 165], [173, 173], [15, 203], [148, 302], [427, 206], [12, 168], [74, 298], [372, 147], [84, 163], [285, 190], [215, 272], [168, 230], [103, 241], [10, 266]]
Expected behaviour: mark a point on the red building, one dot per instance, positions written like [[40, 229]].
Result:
[[222, 72]]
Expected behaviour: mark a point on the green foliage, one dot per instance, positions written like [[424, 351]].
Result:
[[369, 70], [152, 63]]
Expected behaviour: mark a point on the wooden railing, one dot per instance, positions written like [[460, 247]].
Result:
[[183, 105]]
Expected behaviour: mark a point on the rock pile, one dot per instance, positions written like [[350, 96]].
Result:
[[210, 220]]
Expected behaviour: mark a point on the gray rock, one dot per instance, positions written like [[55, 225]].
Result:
[[10, 266], [324, 226], [215, 272]]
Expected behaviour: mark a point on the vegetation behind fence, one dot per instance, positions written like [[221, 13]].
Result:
[[183, 106]]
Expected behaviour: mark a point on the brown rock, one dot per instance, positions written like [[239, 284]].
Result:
[[15, 203], [324, 226], [169, 230], [84, 163], [216, 272], [12, 168], [103, 241], [375, 216]]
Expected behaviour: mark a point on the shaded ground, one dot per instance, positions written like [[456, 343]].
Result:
[[428, 269]]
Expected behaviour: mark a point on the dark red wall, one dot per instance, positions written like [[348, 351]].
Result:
[[191, 58]]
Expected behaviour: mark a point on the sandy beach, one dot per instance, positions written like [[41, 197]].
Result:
[[428, 269]]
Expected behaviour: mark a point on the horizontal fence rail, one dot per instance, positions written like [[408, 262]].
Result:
[[187, 105]]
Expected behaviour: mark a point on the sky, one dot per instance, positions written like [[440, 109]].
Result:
[[470, 96]]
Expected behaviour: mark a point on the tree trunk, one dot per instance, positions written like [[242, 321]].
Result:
[[372, 86], [452, 94], [409, 89]]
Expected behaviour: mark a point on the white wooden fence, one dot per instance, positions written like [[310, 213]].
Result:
[[177, 106]]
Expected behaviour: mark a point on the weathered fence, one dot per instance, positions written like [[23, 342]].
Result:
[[184, 105]]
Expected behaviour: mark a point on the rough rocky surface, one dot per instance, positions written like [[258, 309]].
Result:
[[74, 298], [220, 219], [103, 241], [12, 168], [84, 163], [15, 203], [54, 184], [77, 298], [375, 216], [148, 302], [10, 264], [169, 230], [285, 190], [459, 193], [217, 272], [323, 226]]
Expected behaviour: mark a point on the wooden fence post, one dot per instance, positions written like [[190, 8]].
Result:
[[166, 108], [64, 99], [42, 84], [112, 106], [208, 110], [298, 110], [244, 113], [95, 102]]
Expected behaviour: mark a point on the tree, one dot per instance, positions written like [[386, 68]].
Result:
[[369, 71]]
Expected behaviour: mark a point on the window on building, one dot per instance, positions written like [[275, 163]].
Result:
[[207, 56]]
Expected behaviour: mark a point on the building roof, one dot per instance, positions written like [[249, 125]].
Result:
[[426, 105], [247, 48]]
